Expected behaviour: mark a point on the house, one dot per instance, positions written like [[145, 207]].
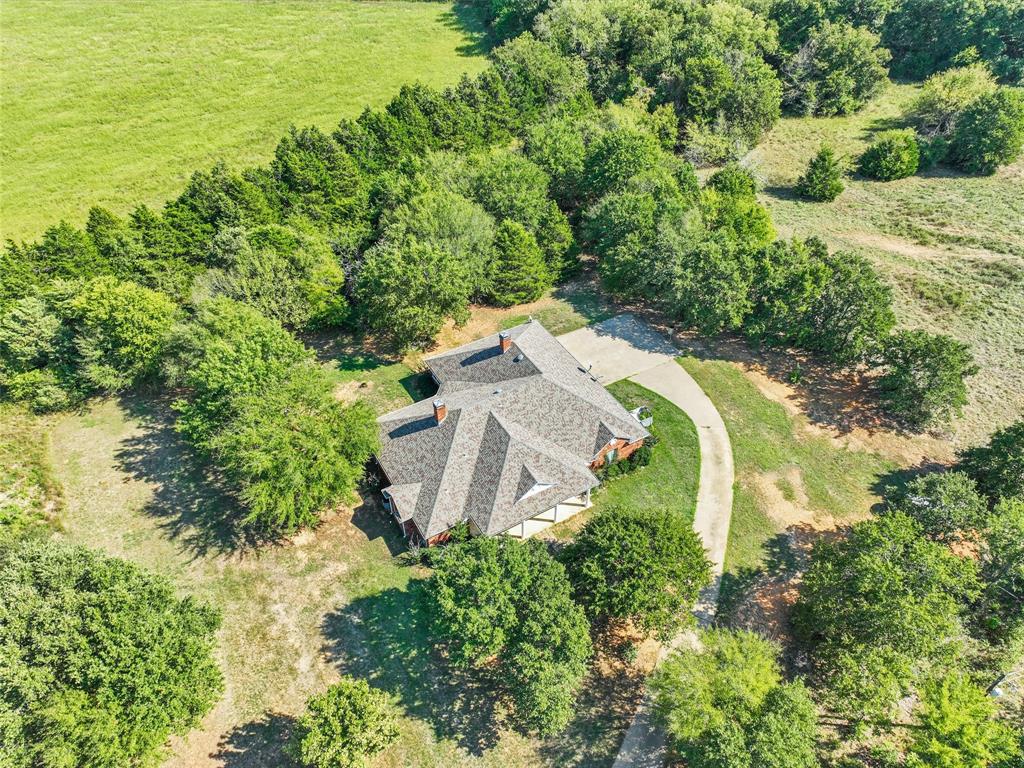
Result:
[[509, 444]]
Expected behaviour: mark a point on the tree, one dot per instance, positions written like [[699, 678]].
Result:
[[499, 598], [558, 147], [893, 155], [287, 274], [876, 603], [998, 466], [852, 314], [1002, 568], [710, 289], [453, 223], [990, 132], [946, 505], [120, 331], [618, 155], [407, 289], [923, 379], [644, 565], [102, 661], [823, 179], [958, 727], [291, 449], [509, 186], [787, 285], [227, 351], [343, 726], [518, 273], [945, 95], [724, 705], [836, 71]]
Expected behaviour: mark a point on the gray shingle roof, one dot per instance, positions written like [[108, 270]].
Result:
[[521, 430]]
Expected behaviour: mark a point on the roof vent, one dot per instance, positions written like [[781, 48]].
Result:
[[518, 358]]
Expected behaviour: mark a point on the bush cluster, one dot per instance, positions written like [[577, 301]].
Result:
[[892, 155]]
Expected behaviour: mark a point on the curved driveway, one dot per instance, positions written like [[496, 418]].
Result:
[[625, 347]]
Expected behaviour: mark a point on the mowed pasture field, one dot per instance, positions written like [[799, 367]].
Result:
[[117, 102], [951, 245]]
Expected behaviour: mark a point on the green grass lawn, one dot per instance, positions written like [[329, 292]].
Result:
[[115, 103], [668, 482], [785, 472], [951, 245]]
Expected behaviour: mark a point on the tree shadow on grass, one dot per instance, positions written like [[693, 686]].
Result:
[[608, 699], [468, 19], [384, 638], [189, 500], [257, 744]]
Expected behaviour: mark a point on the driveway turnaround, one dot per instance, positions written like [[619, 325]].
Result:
[[624, 347]]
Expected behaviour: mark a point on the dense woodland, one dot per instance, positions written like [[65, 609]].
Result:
[[578, 144]]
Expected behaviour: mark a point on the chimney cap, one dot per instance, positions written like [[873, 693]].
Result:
[[504, 335], [438, 403]]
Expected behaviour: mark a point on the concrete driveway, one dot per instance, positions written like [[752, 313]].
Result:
[[624, 347]]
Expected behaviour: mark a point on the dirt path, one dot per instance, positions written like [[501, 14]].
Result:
[[625, 347]]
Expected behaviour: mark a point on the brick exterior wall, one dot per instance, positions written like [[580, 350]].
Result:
[[624, 449]]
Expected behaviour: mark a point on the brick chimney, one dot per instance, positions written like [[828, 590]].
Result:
[[440, 411], [504, 341]]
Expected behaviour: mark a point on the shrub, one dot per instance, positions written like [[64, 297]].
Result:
[[923, 380], [998, 466], [343, 726], [893, 155], [725, 705], [989, 132], [518, 273], [944, 97], [499, 598], [639, 564], [823, 179], [947, 505], [102, 662]]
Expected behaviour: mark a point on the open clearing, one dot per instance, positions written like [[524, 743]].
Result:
[[116, 103], [951, 245]]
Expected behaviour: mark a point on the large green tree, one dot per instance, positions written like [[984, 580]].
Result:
[[958, 727], [837, 70], [644, 565], [724, 705], [947, 505], [1002, 569], [878, 604], [499, 598], [518, 274], [924, 376], [227, 351], [102, 662], [407, 289], [989, 132], [291, 449]]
